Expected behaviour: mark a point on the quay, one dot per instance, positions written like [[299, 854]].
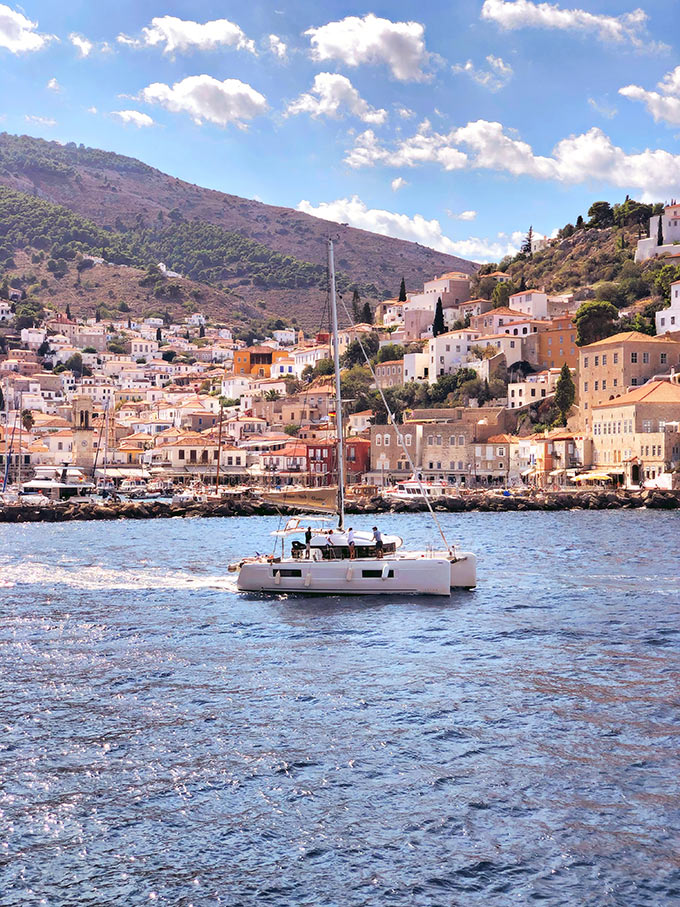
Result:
[[483, 501]]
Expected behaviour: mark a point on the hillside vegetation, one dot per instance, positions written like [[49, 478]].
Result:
[[260, 250]]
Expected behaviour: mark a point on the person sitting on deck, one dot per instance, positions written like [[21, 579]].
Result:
[[377, 538]]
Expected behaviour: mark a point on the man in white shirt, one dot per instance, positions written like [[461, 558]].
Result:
[[350, 542]]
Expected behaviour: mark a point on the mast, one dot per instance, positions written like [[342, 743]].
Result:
[[338, 396], [219, 450]]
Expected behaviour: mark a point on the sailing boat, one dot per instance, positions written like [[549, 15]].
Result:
[[319, 560]]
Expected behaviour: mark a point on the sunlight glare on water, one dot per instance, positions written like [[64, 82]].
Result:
[[167, 740]]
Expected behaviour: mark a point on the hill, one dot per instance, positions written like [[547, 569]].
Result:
[[233, 243]]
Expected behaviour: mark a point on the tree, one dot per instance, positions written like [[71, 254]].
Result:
[[97, 314], [168, 355], [390, 352], [659, 231], [27, 419], [28, 314], [402, 291], [501, 294], [522, 284], [595, 321], [159, 335], [75, 364], [2, 400], [291, 429], [43, 349], [438, 326], [356, 306], [580, 223], [272, 395], [601, 215], [666, 275], [486, 287], [525, 248], [201, 331], [68, 311], [367, 314], [565, 392], [354, 354]]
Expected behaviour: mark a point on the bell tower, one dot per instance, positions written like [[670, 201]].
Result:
[[83, 432]]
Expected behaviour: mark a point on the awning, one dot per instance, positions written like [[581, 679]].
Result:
[[528, 472], [557, 472], [615, 472], [592, 477], [121, 472]]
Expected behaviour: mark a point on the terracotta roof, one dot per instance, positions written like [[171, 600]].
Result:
[[628, 336], [503, 310], [652, 392]]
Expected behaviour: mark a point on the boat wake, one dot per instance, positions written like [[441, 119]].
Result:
[[98, 578]]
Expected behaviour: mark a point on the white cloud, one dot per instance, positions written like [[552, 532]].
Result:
[[53, 85], [663, 104], [497, 76], [354, 211], [278, 47], [604, 109], [81, 43], [406, 113], [629, 28], [329, 95], [182, 35], [354, 40], [591, 156], [92, 110], [398, 183], [18, 34], [40, 121], [207, 99], [133, 118], [464, 215]]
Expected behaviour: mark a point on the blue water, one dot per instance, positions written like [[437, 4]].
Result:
[[166, 740]]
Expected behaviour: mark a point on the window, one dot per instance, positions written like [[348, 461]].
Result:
[[645, 357], [585, 387], [407, 439], [287, 572], [664, 358], [597, 360], [604, 384], [378, 440], [585, 362], [633, 357], [181, 454], [461, 440], [387, 440], [604, 359], [597, 385], [372, 574]]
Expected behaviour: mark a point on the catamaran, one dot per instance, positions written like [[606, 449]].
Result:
[[329, 560]]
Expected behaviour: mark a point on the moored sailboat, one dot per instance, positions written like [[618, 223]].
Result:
[[336, 561]]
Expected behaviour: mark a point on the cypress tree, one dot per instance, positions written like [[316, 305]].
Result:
[[438, 326], [522, 284], [68, 311], [356, 306], [565, 392], [659, 232], [367, 314], [402, 291]]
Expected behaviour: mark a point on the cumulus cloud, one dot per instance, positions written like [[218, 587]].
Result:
[[18, 34], [464, 215], [81, 43], [92, 110], [663, 104], [495, 77], [355, 40], [278, 47], [207, 99], [591, 156], [53, 85], [40, 121], [398, 183], [182, 35], [133, 118], [629, 28], [406, 113], [419, 229], [330, 95]]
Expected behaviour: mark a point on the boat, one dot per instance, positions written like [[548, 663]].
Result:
[[58, 484], [414, 489], [326, 567]]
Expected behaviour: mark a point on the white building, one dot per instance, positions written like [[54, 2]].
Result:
[[530, 302], [416, 366], [533, 389], [670, 228], [449, 352], [310, 356], [669, 319]]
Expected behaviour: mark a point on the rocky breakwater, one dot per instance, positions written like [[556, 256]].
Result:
[[484, 501]]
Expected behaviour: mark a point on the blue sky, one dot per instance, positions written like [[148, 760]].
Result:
[[453, 124]]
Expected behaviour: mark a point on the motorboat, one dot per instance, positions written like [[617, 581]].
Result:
[[58, 484], [414, 489], [327, 566]]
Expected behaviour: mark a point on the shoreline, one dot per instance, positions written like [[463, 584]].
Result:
[[483, 502]]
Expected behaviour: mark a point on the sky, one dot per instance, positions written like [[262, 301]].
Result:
[[454, 124]]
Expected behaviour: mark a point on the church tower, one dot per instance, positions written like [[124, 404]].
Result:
[[83, 432]]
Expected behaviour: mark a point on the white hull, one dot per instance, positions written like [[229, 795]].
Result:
[[415, 574]]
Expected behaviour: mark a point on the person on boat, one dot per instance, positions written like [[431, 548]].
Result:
[[350, 542], [308, 542], [377, 538]]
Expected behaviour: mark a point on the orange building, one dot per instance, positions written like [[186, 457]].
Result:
[[256, 360], [557, 343]]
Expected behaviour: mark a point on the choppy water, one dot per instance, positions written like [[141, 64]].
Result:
[[165, 740]]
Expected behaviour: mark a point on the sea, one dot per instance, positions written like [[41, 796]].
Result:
[[165, 740]]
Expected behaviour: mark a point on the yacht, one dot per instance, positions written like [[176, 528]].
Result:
[[414, 489], [58, 484], [327, 567]]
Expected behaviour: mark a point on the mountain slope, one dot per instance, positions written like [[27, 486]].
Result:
[[120, 193]]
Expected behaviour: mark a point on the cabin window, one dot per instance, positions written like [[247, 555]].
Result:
[[287, 572], [374, 574]]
